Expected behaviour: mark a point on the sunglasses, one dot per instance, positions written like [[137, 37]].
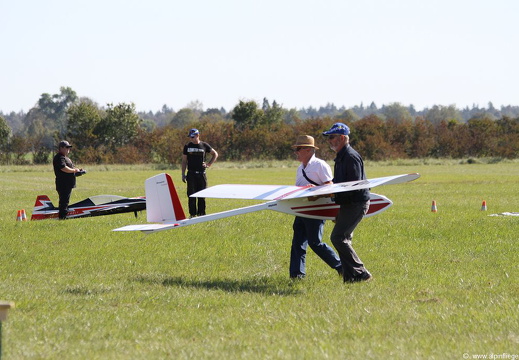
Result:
[[299, 148], [331, 137]]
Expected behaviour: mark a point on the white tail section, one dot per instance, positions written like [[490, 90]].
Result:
[[162, 201]]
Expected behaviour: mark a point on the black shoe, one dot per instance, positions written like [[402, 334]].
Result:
[[339, 271], [364, 277]]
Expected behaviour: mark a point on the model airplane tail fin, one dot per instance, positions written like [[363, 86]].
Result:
[[162, 201], [41, 206]]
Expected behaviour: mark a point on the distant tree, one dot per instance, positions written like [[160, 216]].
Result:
[[148, 125], [443, 113], [5, 132], [47, 121], [19, 147], [213, 111], [348, 116], [14, 120], [412, 110], [291, 116], [184, 117], [507, 137], [83, 120], [119, 126], [163, 117], [397, 113], [39, 129], [273, 115], [266, 105], [452, 139], [399, 134], [329, 110], [508, 111], [423, 138], [483, 131], [168, 143], [368, 136], [247, 115], [54, 107], [196, 106], [212, 116]]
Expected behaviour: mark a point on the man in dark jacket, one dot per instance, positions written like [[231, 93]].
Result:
[[65, 172], [353, 204]]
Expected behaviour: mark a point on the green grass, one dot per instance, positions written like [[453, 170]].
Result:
[[445, 283]]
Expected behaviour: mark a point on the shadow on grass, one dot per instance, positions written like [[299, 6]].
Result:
[[265, 286]]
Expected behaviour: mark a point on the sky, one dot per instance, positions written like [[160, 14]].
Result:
[[300, 53]]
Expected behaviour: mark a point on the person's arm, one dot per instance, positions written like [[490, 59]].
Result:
[[69, 170], [184, 166], [214, 156]]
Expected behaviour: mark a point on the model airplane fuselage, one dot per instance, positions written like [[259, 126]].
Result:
[[93, 206], [165, 211]]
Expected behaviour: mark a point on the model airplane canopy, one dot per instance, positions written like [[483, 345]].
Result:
[[164, 207]]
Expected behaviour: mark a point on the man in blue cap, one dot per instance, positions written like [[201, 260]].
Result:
[[353, 204], [193, 159]]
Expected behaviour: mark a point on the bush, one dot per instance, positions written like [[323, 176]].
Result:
[[41, 156]]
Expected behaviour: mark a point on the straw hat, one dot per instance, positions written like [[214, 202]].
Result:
[[305, 141]]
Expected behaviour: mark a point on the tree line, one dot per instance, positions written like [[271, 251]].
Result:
[[120, 134]]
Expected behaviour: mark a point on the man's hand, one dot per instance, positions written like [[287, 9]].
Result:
[[183, 178]]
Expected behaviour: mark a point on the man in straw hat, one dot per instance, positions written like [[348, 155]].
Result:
[[353, 204], [310, 231]]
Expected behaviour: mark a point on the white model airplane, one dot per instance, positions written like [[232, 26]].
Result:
[[164, 210]]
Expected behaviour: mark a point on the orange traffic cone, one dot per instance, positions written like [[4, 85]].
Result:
[[19, 215], [433, 207], [24, 215], [484, 206]]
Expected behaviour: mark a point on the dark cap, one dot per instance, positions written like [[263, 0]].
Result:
[[65, 144]]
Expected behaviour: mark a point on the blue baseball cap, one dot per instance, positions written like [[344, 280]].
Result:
[[193, 132], [337, 129]]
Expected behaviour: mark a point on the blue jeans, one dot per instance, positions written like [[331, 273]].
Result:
[[309, 232]]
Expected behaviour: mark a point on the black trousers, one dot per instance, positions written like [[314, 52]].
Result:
[[64, 199], [196, 181], [348, 218]]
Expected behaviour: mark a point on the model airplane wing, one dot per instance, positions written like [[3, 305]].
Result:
[[284, 192]]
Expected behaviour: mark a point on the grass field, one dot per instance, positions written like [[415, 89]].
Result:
[[445, 284]]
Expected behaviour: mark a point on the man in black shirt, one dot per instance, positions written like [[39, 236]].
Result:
[[65, 172], [353, 204], [193, 159]]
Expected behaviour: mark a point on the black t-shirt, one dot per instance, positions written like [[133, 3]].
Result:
[[196, 155], [63, 179]]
